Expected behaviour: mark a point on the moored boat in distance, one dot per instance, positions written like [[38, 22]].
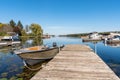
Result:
[[115, 39], [93, 37], [9, 41]]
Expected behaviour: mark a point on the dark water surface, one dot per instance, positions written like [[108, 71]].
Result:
[[12, 67]]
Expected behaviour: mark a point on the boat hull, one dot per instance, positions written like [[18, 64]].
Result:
[[3, 43], [40, 54], [33, 61]]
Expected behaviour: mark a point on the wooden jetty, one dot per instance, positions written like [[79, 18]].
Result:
[[76, 62], [91, 40], [113, 41]]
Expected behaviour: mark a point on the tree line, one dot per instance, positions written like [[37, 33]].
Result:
[[86, 34], [29, 30]]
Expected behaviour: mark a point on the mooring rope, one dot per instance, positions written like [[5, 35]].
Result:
[[31, 68]]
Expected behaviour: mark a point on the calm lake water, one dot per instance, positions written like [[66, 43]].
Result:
[[12, 67]]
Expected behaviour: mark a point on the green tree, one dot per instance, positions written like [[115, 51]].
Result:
[[12, 23], [23, 33], [19, 24], [36, 30]]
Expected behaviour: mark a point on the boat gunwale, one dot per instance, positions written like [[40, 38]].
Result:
[[33, 51]]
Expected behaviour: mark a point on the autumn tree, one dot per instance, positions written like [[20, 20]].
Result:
[[4, 28], [17, 30], [1, 25]]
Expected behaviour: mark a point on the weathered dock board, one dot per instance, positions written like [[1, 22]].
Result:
[[76, 62]]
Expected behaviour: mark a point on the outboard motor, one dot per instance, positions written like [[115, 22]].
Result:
[[54, 44]]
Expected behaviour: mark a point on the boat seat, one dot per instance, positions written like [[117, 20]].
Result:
[[34, 48]]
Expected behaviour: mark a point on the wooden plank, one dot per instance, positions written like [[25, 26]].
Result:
[[76, 62]]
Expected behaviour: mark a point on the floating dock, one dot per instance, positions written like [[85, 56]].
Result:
[[76, 62], [113, 41], [91, 40]]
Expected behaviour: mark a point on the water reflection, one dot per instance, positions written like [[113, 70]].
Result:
[[113, 44], [30, 70], [94, 43], [34, 41], [37, 41], [12, 66], [95, 46]]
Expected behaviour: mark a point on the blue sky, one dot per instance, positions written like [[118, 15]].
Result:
[[64, 16]]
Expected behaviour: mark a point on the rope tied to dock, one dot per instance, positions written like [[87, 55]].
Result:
[[31, 68]]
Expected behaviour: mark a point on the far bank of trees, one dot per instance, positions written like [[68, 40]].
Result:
[[18, 28], [86, 34], [74, 35]]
